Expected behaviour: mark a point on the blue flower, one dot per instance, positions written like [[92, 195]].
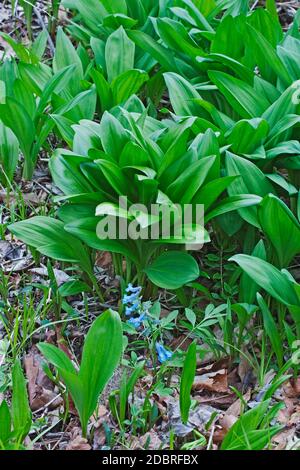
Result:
[[131, 289], [162, 353], [130, 310], [131, 299], [136, 322]]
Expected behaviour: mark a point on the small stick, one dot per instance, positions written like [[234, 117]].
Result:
[[42, 24]]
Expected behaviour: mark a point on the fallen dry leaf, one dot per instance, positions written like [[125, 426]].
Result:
[[79, 443], [227, 421], [149, 441], [214, 367], [281, 440], [40, 388], [198, 418], [103, 259], [212, 382], [31, 198], [60, 276], [285, 413], [235, 408], [99, 435], [292, 388]]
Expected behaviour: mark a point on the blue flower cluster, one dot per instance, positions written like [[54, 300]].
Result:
[[133, 305], [132, 302], [162, 353]]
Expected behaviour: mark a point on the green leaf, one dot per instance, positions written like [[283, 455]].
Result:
[[48, 236], [172, 270], [210, 192], [186, 382], [241, 96], [248, 287], [5, 423], [103, 90], [176, 37], [283, 106], [184, 188], [269, 278], [21, 414], [57, 357], [119, 54], [86, 230], [182, 95], [247, 135], [20, 50], [15, 116], [266, 58], [271, 329], [252, 181], [248, 433], [113, 136], [66, 55], [56, 84], [233, 203], [285, 234], [64, 167], [9, 154], [102, 352], [163, 56], [127, 84]]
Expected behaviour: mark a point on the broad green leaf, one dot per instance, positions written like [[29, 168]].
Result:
[[229, 27], [15, 116], [266, 58], [103, 90], [252, 181], [248, 287], [56, 84], [5, 423], [247, 135], [270, 278], [186, 382], [117, 6], [163, 56], [176, 37], [281, 227], [272, 330], [20, 50], [233, 203], [241, 96], [92, 11], [48, 236], [113, 136], [284, 105], [64, 167], [21, 414], [119, 54], [86, 230], [210, 192], [9, 154], [102, 352], [25, 97], [172, 270], [184, 188], [57, 357], [182, 95], [248, 433], [127, 84]]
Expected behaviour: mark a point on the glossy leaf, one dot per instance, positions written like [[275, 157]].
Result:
[[101, 354]]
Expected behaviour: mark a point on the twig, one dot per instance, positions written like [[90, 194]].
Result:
[[42, 24]]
